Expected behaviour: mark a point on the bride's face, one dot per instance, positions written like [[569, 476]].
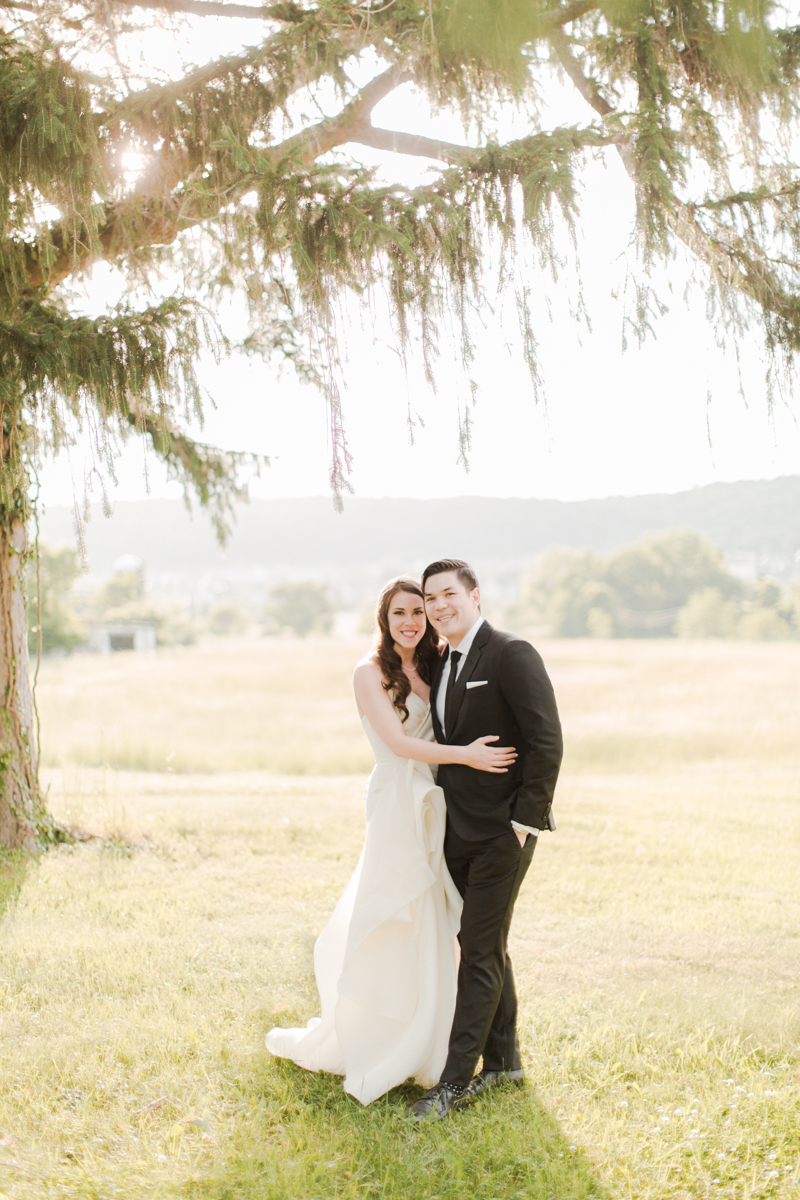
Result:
[[406, 617]]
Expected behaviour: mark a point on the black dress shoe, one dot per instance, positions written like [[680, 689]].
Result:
[[489, 1079], [440, 1101]]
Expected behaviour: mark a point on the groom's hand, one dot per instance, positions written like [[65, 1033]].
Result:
[[522, 832]]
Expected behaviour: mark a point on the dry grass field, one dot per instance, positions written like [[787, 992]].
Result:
[[287, 706], [657, 939]]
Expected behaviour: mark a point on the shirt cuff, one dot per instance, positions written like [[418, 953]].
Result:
[[525, 828]]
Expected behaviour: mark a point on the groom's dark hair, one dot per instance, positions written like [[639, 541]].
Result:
[[462, 569]]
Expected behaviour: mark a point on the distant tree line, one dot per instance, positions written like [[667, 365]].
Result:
[[52, 617], [299, 609], [671, 585], [60, 619]]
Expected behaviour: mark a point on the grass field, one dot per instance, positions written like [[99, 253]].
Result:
[[287, 707], [656, 941]]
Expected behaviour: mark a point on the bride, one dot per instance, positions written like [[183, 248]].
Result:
[[387, 961]]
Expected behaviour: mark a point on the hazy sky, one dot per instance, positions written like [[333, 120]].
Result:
[[611, 423]]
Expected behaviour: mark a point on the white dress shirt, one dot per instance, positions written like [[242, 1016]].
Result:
[[463, 648]]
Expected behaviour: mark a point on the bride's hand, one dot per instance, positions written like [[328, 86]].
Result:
[[495, 759]]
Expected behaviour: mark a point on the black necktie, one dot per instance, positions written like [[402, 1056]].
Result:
[[455, 658]]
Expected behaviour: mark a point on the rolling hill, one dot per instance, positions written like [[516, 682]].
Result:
[[756, 523]]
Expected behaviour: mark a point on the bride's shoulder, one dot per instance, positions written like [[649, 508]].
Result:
[[367, 680], [367, 668]]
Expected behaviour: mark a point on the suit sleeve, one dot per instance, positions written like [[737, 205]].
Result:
[[529, 694]]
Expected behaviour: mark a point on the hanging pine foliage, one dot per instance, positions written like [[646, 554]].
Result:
[[236, 191]]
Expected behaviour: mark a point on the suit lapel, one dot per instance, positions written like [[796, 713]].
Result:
[[470, 663], [437, 677]]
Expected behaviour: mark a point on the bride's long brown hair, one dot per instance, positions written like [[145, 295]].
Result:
[[395, 680]]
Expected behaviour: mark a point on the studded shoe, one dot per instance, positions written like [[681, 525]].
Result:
[[440, 1101], [485, 1080]]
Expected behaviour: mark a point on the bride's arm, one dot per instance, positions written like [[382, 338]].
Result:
[[385, 720]]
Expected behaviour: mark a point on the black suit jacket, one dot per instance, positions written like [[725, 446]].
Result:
[[514, 699]]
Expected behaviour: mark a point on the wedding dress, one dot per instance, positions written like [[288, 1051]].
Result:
[[386, 963]]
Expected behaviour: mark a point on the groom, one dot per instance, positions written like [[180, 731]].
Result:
[[487, 682]]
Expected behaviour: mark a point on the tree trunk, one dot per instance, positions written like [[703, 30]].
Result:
[[23, 818]]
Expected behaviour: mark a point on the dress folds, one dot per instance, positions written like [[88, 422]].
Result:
[[386, 963]]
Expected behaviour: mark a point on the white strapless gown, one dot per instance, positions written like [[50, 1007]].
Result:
[[387, 961]]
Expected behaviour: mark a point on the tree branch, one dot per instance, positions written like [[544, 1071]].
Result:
[[411, 143], [739, 269], [291, 12], [275, 52], [591, 93], [735, 267], [204, 8], [318, 139], [587, 87], [219, 8], [162, 219], [743, 199], [569, 12], [289, 60], [145, 101]]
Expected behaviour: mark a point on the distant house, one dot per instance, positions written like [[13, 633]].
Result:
[[108, 637]]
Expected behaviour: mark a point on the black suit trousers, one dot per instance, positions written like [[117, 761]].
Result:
[[488, 874]]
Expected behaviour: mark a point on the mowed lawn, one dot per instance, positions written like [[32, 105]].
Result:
[[656, 941]]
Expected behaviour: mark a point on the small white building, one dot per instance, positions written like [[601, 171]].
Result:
[[107, 638]]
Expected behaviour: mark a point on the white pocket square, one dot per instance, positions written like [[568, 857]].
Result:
[[477, 683]]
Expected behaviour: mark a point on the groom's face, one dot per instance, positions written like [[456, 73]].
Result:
[[451, 609]]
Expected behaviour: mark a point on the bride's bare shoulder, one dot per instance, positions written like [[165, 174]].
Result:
[[367, 668]]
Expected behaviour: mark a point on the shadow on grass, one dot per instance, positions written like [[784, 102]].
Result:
[[305, 1139], [14, 866]]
